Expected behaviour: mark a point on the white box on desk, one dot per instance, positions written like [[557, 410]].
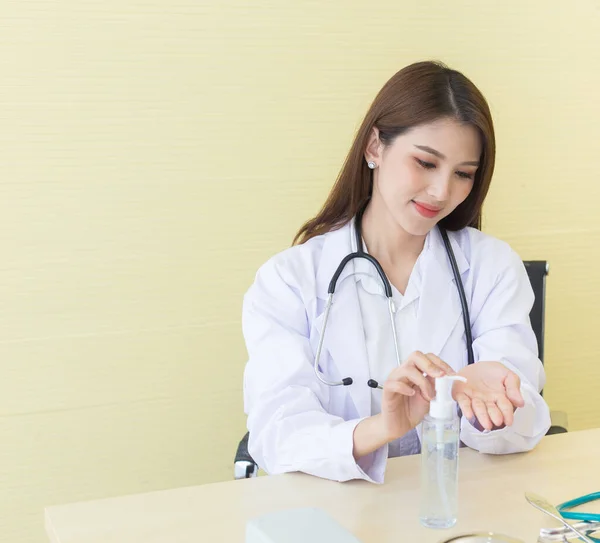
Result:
[[302, 525]]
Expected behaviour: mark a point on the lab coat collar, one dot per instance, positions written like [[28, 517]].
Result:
[[336, 246], [339, 243], [439, 307], [368, 278]]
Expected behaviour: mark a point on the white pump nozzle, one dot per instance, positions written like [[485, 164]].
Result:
[[441, 406]]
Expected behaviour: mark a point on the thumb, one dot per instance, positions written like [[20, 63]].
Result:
[[512, 383]]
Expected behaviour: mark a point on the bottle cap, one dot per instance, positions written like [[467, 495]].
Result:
[[442, 406]]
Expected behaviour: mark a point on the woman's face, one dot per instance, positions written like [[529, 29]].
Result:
[[425, 173]]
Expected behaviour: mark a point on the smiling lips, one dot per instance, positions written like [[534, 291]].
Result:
[[426, 210]]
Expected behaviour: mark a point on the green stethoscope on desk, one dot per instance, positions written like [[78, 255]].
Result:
[[565, 510], [548, 535]]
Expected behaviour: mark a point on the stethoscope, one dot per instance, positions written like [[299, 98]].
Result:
[[587, 522], [360, 253], [565, 508]]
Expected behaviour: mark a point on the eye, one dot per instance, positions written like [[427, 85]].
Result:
[[426, 165], [464, 175]]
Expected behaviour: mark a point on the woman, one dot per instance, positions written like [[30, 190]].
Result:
[[420, 166]]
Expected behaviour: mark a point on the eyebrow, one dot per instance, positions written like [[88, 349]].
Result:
[[442, 156]]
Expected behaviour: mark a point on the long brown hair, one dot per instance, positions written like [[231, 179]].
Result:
[[420, 93]]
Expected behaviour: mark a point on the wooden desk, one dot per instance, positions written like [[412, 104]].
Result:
[[491, 499]]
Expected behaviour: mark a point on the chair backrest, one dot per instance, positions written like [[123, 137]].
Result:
[[537, 271]]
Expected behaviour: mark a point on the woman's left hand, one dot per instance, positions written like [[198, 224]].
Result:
[[491, 394]]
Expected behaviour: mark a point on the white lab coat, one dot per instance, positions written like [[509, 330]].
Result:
[[298, 424]]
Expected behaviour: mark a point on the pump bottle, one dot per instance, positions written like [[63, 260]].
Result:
[[440, 432]]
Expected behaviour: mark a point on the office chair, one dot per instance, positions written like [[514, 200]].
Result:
[[244, 466], [537, 270]]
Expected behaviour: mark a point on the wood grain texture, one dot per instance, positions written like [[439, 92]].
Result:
[[153, 154]]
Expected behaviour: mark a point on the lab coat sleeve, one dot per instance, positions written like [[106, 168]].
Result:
[[502, 332], [290, 428]]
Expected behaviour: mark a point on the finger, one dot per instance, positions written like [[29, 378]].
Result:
[[447, 369], [494, 413], [425, 365], [480, 410], [464, 403], [399, 387], [507, 409], [424, 384], [512, 383]]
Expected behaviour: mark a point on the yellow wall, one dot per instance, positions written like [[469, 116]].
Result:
[[154, 154]]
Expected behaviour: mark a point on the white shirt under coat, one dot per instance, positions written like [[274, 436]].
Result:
[[296, 423]]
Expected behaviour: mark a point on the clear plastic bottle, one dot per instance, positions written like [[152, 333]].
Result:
[[439, 458]]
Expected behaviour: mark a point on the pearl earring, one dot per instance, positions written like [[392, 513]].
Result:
[[371, 164]]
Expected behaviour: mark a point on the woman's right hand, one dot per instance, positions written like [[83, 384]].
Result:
[[407, 393], [406, 396]]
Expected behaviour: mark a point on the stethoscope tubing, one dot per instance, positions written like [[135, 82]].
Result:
[[388, 292]]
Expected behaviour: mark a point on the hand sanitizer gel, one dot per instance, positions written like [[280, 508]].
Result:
[[439, 458]]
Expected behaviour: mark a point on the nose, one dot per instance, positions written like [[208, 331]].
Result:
[[439, 188]]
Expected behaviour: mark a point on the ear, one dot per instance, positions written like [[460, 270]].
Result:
[[374, 147]]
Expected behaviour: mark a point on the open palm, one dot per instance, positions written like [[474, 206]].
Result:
[[490, 395]]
